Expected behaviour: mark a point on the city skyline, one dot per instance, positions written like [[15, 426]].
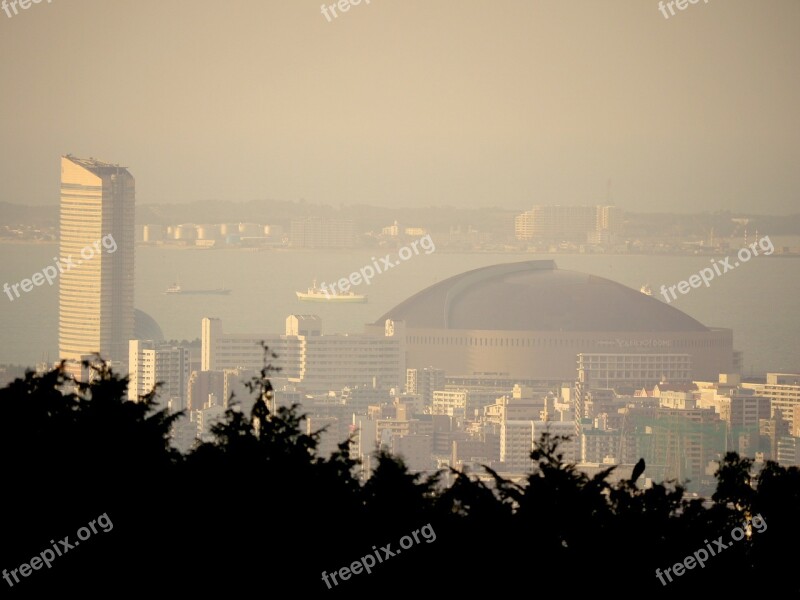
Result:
[[291, 289]]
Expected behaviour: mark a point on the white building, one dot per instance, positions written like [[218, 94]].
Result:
[[151, 362], [452, 403], [783, 390], [313, 361]]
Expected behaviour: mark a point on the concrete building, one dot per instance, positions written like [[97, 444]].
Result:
[[783, 390], [220, 350], [741, 409], [96, 247], [682, 444], [476, 450], [569, 448], [599, 445], [520, 406], [452, 403], [306, 357], [424, 382], [152, 362], [613, 370], [516, 444]]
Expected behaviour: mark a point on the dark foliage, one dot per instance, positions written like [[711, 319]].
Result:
[[257, 510]]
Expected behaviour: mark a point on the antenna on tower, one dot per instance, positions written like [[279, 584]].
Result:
[[608, 192]]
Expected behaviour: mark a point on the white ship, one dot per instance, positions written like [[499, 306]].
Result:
[[645, 289], [315, 294]]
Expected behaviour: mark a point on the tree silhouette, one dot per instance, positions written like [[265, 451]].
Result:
[[256, 509]]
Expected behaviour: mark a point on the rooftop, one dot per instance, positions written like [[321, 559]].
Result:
[[538, 296]]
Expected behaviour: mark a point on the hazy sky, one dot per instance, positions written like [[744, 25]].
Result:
[[415, 102]]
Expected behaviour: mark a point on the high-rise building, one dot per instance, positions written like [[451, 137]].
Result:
[[95, 303], [153, 362]]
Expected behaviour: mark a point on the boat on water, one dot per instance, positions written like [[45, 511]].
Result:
[[315, 294], [176, 288], [645, 289]]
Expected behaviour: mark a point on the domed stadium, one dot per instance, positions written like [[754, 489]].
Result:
[[532, 321], [145, 327]]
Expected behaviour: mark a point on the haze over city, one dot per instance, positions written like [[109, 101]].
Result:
[[292, 289], [414, 103]]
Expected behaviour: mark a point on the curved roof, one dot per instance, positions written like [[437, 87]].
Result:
[[537, 296], [145, 327]]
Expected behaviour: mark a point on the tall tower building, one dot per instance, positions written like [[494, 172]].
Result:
[[95, 299]]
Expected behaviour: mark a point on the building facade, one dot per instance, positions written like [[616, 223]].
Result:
[[151, 362], [529, 322], [96, 251], [310, 359]]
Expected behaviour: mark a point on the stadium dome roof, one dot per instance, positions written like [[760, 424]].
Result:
[[538, 296], [145, 327]]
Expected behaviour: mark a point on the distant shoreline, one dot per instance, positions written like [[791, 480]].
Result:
[[443, 250]]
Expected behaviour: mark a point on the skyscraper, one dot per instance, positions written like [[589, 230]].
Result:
[[95, 301]]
